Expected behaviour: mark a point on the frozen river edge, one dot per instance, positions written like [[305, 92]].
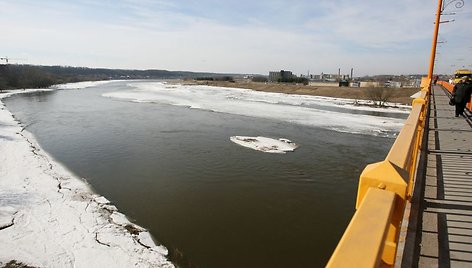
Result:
[[51, 218]]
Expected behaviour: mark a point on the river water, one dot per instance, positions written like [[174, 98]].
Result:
[[212, 203]]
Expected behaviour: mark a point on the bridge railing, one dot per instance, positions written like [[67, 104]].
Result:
[[446, 85], [385, 187]]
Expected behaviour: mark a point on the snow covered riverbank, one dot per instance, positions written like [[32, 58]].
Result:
[[50, 218], [343, 115]]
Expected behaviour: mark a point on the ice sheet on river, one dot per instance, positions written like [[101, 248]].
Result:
[[80, 85], [50, 218], [335, 114], [264, 144]]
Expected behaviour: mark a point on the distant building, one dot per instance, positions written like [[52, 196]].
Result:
[[274, 76], [329, 77], [369, 84], [282, 75], [323, 84], [394, 84], [354, 84]]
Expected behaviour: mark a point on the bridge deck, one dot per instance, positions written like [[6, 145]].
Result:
[[446, 233]]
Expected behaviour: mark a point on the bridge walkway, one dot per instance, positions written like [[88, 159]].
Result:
[[446, 233]]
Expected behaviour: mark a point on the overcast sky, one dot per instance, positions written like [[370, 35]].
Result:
[[371, 36]]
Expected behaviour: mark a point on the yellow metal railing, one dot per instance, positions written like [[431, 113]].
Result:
[[385, 187]]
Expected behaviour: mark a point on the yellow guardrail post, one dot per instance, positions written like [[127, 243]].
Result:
[[387, 176]]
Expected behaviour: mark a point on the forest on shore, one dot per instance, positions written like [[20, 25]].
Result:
[[13, 76]]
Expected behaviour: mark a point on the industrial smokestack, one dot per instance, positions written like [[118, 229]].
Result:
[[339, 73], [352, 71]]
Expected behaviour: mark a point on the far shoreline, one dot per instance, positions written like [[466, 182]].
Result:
[[400, 96]]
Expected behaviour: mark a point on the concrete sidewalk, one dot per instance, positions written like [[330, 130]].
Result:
[[446, 233]]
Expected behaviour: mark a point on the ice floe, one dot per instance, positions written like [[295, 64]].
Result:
[[333, 113], [264, 144], [81, 85], [50, 218], [78, 85]]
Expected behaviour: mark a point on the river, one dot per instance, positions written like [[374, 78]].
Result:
[[173, 169]]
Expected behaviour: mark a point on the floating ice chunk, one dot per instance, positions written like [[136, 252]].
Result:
[[263, 144]]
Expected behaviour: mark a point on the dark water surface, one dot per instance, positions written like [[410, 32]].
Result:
[[211, 202]]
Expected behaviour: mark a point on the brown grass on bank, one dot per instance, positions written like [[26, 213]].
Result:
[[401, 95]]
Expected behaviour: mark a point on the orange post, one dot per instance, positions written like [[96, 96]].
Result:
[[435, 40]]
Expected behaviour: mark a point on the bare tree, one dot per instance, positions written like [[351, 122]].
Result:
[[379, 95]]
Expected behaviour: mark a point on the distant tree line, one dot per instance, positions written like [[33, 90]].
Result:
[[33, 76], [215, 78], [11, 77], [261, 79], [293, 79]]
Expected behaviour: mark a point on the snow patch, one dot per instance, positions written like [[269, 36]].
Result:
[[264, 144]]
